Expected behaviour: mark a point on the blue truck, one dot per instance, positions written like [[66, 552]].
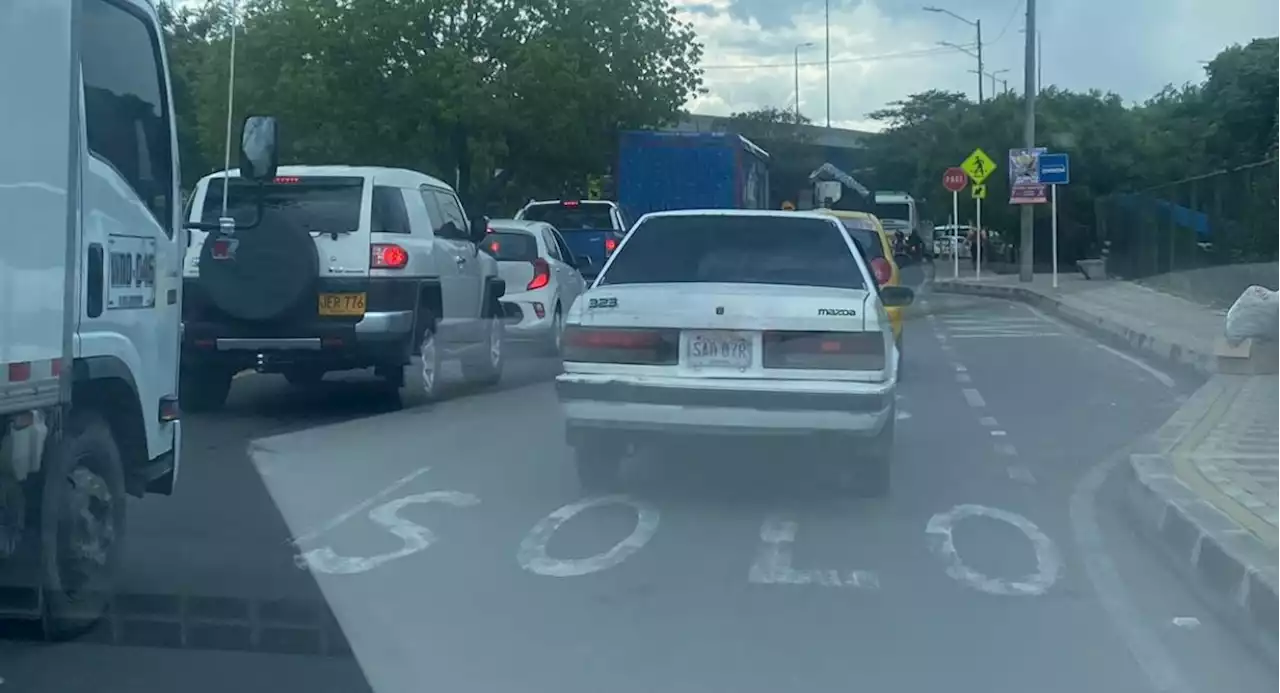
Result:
[[660, 171]]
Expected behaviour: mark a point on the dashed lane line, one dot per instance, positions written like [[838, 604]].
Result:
[[973, 397]]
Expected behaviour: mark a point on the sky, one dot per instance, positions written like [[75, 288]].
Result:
[[883, 50]]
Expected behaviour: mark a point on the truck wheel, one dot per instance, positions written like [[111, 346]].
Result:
[[204, 391], [82, 525]]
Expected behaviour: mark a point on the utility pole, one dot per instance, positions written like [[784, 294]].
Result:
[[797, 73], [828, 23], [1026, 252], [978, 24]]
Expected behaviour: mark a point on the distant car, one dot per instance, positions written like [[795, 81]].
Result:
[[591, 228], [732, 322], [541, 275]]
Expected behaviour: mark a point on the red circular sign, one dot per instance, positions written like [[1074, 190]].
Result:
[[955, 179]]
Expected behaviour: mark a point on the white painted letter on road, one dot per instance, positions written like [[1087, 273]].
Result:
[[533, 550], [415, 536], [1048, 561], [773, 562]]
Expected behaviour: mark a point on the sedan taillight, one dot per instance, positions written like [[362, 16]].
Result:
[[620, 345], [843, 351]]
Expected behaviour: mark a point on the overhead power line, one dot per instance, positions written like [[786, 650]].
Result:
[[919, 53]]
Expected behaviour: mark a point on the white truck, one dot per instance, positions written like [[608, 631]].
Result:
[[91, 255]]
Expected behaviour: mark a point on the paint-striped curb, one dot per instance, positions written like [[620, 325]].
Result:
[[1108, 328], [1231, 566]]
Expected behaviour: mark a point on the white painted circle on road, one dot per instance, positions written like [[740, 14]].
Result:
[[533, 549], [1048, 561]]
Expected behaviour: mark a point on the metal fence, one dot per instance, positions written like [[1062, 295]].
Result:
[[1218, 219]]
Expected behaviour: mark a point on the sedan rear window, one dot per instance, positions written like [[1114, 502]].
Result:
[[571, 216], [520, 247], [319, 204], [865, 235], [735, 249]]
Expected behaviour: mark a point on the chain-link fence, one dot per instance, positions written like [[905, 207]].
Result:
[[1222, 218]]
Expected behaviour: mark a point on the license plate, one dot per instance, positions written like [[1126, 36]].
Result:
[[719, 349], [342, 304]]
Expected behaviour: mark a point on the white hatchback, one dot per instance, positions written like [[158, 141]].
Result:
[[541, 275], [732, 322]]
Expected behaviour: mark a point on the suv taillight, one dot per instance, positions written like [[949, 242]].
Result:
[[620, 345], [541, 274], [844, 351], [610, 245], [387, 256]]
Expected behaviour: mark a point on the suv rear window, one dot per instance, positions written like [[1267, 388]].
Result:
[[520, 247], [735, 249], [582, 216], [324, 204], [865, 235]]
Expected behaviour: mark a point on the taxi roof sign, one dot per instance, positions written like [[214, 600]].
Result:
[[979, 166]]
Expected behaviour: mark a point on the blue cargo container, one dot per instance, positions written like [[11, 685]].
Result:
[[659, 171]]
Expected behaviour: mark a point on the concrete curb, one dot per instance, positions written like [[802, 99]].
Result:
[[1232, 569], [1109, 329]]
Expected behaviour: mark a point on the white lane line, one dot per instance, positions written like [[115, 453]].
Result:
[[960, 369], [357, 508], [963, 378], [988, 421], [1160, 376], [973, 397], [999, 433], [1145, 646], [1006, 449], [1005, 335]]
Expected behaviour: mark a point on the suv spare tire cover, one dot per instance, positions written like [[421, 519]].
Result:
[[273, 269]]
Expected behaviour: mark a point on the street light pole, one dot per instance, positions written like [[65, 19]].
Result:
[[976, 25], [828, 29], [1027, 251]]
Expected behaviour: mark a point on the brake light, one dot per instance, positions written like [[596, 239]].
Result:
[[387, 256], [882, 271], [287, 180], [610, 244], [846, 351], [569, 203], [620, 345], [541, 274]]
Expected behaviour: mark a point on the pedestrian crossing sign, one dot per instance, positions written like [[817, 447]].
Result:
[[979, 192], [979, 166]]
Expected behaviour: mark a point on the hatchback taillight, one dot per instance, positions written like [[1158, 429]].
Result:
[[620, 345], [845, 351], [387, 256], [541, 274]]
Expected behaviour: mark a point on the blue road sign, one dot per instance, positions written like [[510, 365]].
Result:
[[1055, 169]]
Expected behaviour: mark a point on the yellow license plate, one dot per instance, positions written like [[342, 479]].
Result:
[[342, 304]]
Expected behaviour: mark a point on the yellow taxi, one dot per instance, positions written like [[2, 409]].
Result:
[[877, 248]]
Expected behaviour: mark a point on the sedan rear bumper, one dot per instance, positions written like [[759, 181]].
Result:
[[718, 407]]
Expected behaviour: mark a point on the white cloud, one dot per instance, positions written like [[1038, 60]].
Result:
[[882, 50]]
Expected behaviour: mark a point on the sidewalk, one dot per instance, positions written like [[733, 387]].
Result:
[[1205, 484]]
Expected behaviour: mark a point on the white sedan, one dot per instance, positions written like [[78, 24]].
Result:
[[732, 322], [542, 279]]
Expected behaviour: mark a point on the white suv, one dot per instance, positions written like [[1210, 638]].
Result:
[[342, 268]]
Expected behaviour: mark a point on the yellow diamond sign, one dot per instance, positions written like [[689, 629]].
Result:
[[979, 166]]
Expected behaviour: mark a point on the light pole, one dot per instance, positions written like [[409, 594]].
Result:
[[1031, 85], [992, 75], [1039, 57], [806, 44], [828, 43], [976, 25]]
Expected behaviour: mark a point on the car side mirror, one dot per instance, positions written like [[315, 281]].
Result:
[[896, 296], [479, 229], [259, 148]]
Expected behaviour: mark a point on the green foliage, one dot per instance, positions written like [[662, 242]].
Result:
[[463, 89]]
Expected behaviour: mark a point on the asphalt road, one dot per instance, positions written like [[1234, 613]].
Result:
[[455, 550]]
